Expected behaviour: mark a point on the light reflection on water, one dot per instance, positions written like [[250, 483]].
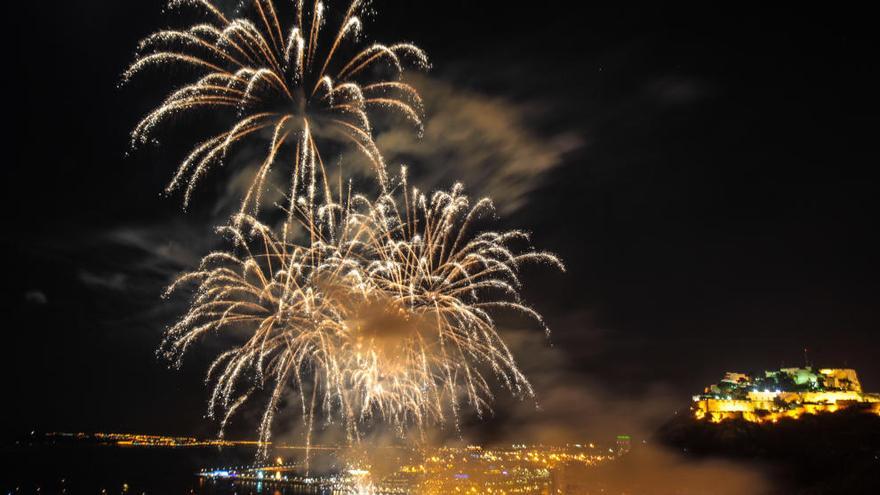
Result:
[[74, 469]]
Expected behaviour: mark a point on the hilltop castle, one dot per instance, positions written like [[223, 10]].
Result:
[[784, 393]]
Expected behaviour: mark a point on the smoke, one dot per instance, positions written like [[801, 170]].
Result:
[[489, 143], [574, 407], [653, 470]]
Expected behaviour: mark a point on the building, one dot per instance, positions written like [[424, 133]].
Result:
[[784, 393], [623, 444]]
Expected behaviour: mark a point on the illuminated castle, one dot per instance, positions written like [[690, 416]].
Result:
[[784, 393]]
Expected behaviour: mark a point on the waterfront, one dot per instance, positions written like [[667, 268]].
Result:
[[79, 464], [82, 468]]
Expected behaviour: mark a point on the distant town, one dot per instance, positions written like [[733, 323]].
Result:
[[515, 469], [764, 397], [758, 398], [142, 440], [512, 469]]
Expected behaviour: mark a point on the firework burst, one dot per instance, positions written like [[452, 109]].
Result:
[[384, 313], [274, 73]]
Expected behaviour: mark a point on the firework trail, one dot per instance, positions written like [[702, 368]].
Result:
[[384, 315], [274, 74]]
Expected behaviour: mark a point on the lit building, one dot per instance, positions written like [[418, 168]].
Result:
[[783, 393], [623, 444]]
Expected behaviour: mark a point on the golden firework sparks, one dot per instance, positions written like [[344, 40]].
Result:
[[277, 78], [385, 314]]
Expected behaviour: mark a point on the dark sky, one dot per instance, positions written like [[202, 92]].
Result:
[[717, 211]]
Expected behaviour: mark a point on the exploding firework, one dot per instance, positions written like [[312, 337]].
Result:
[[383, 313], [276, 77]]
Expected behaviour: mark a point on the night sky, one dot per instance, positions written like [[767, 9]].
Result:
[[707, 175]]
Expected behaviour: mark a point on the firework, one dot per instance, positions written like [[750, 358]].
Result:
[[274, 74], [383, 314]]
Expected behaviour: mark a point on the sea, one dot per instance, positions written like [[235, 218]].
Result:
[[109, 470]]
